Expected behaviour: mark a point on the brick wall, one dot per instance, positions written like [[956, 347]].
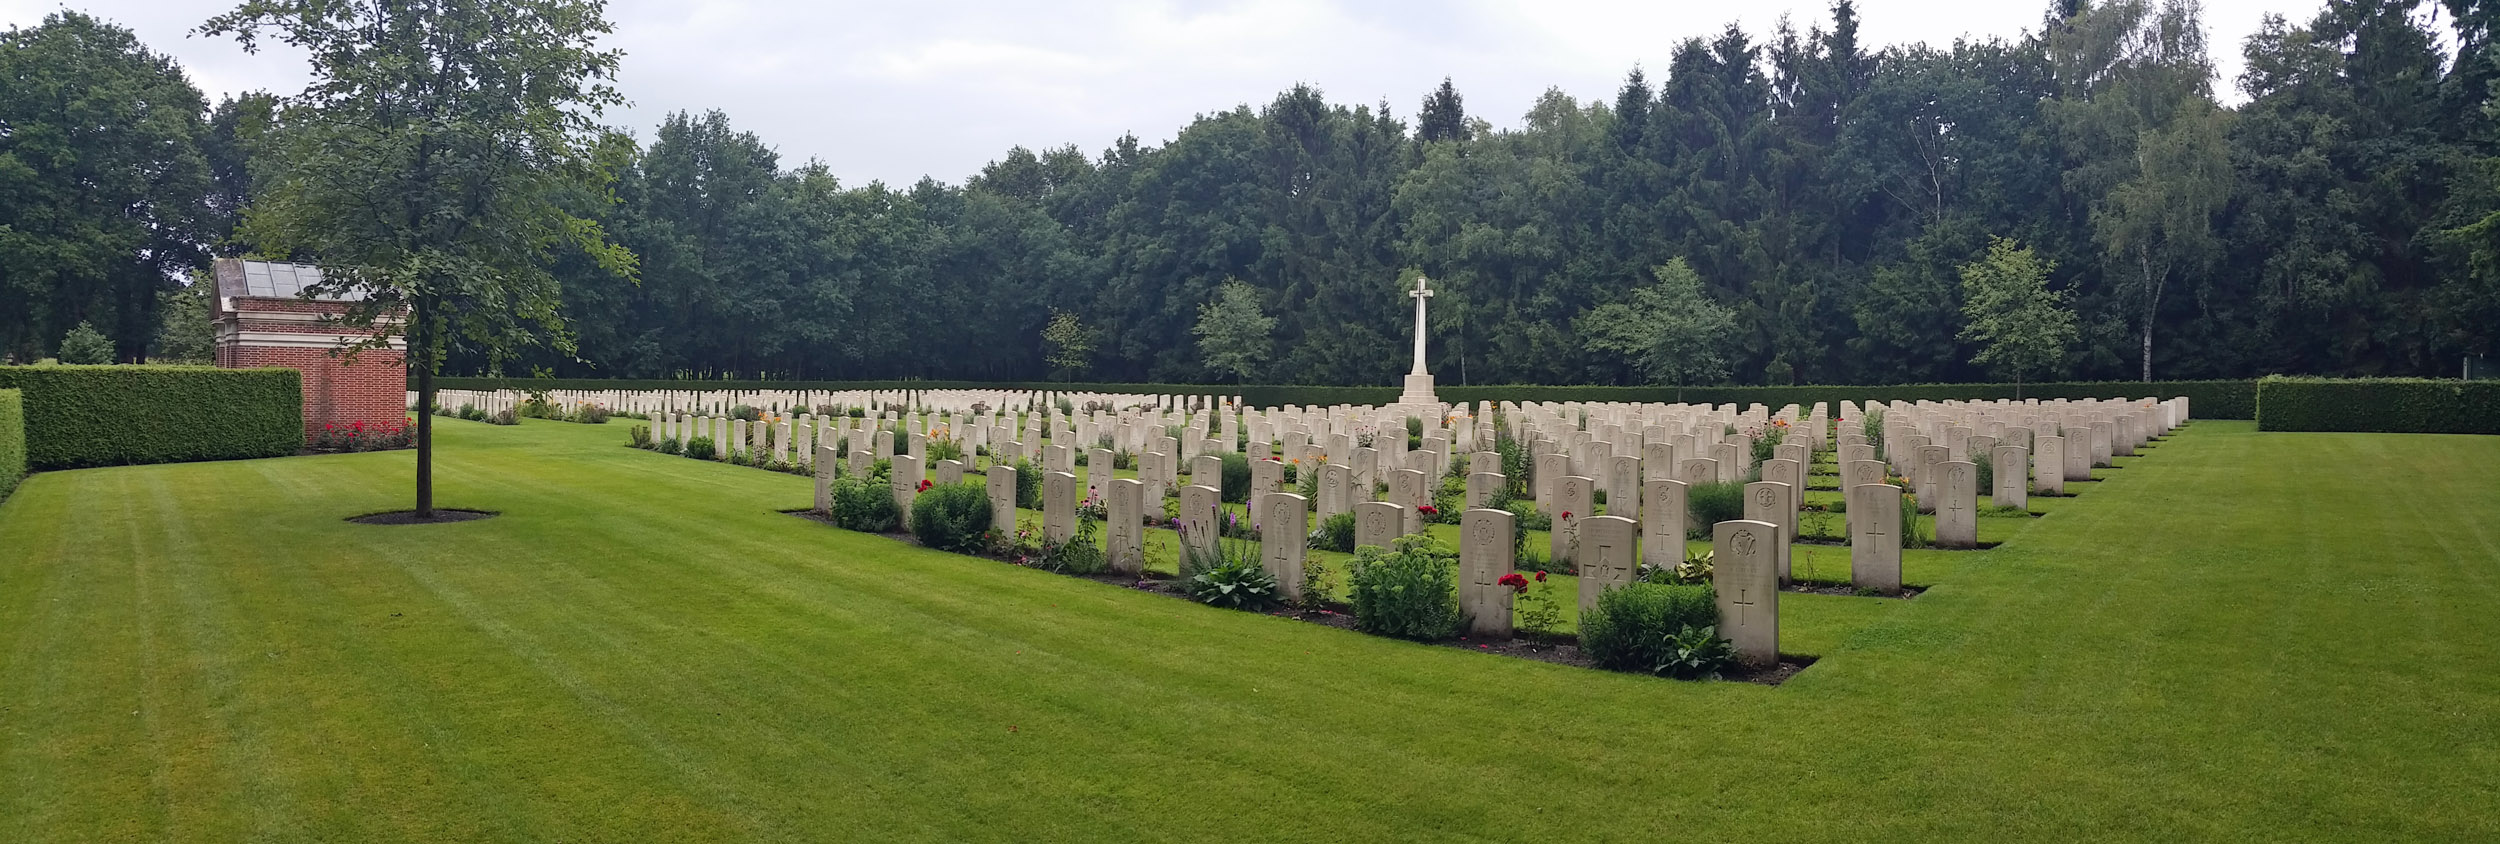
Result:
[[256, 331], [372, 390]]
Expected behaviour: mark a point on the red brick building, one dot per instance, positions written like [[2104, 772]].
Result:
[[262, 319]]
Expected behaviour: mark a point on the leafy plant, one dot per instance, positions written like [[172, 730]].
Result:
[[1336, 533], [1233, 578], [700, 448], [1695, 567], [1913, 534], [951, 517], [1314, 592], [670, 446], [1408, 592], [504, 417], [1631, 624], [1081, 554], [1693, 653], [865, 505], [746, 412], [638, 436], [1536, 608]]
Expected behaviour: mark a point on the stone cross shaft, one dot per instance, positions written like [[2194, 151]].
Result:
[[1420, 293]]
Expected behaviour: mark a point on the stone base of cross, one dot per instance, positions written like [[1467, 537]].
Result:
[[1419, 392]]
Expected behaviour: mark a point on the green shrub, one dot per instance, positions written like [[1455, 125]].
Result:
[[590, 414], [1028, 484], [85, 345], [638, 436], [2388, 405], [669, 446], [951, 517], [12, 441], [1409, 592], [1080, 554], [700, 448], [1336, 533], [746, 412], [1630, 623], [1712, 503], [1236, 477], [78, 416], [863, 504]]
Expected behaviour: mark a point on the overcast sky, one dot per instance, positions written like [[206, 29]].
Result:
[[893, 91]]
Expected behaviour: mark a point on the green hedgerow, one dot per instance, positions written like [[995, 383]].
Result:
[[1409, 592], [865, 505], [1627, 628], [951, 517], [12, 441], [82, 416]]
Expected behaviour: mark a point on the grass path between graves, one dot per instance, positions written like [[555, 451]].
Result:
[[2240, 636]]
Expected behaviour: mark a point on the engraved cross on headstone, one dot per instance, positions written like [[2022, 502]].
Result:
[[1742, 604]]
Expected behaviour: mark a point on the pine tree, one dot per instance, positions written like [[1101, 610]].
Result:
[[1444, 116]]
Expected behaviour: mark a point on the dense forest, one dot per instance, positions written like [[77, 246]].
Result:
[[2336, 217]]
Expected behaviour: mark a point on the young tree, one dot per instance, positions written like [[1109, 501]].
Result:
[[185, 335], [2022, 326], [421, 168], [1067, 345], [2148, 146], [85, 345], [1234, 333], [1671, 331]]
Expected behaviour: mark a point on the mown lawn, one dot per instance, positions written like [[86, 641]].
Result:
[[2239, 636]]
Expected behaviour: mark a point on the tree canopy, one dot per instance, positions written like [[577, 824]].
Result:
[[2338, 217]]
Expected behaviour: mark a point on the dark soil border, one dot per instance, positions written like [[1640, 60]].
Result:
[[442, 516]]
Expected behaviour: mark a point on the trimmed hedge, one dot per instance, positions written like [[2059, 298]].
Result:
[[78, 416], [2207, 399], [2389, 405], [12, 440]]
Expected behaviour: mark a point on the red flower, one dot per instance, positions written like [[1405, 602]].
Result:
[[1566, 514], [1514, 581], [1540, 577], [1428, 509], [924, 485]]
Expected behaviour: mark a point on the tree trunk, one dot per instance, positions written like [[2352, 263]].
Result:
[[425, 443], [2148, 349], [421, 353]]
